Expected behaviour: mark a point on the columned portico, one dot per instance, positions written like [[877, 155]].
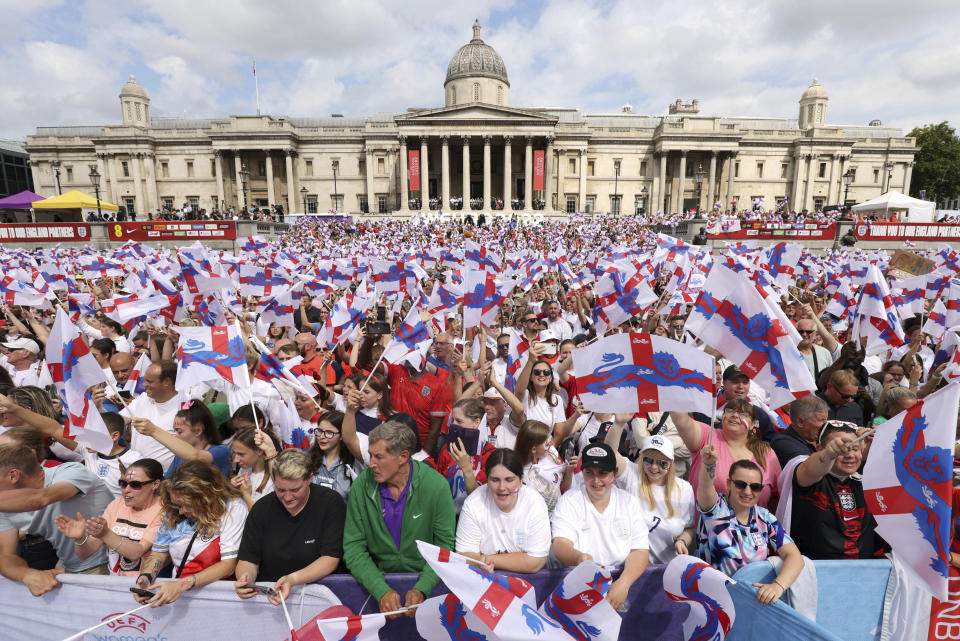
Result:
[[404, 177], [445, 172], [271, 195], [528, 175], [424, 173], [507, 170], [466, 171], [808, 190], [710, 185], [241, 205], [293, 194], [547, 172], [662, 181], [681, 180], [731, 169], [486, 172], [218, 170]]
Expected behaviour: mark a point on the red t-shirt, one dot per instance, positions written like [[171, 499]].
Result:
[[422, 399]]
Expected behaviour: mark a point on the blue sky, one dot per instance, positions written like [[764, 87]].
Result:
[[66, 61]]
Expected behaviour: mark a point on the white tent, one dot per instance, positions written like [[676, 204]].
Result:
[[918, 211]]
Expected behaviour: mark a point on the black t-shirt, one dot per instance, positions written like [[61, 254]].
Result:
[[789, 444], [313, 315], [851, 412], [831, 520], [280, 544]]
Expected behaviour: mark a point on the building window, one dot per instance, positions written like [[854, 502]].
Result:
[[591, 167], [363, 167], [69, 174], [382, 204], [307, 167], [571, 204], [381, 166], [476, 92], [362, 201], [573, 166], [688, 171], [643, 167], [311, 204], [216, 203], [818, 203], [783, 170], [213, 167], [853, 175], [638, 205], [194, 202], [591, 204], [129, 203], [615, 204], [876, 176], [261, 167], [125, 168], [499, 94], [337, 202], [822, 171], [189, 169], [168, 203], [164, 169], [759, 170], [736, 169]]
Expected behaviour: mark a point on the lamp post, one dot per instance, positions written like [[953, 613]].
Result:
[[303, 195], [889, 167], [95, 181], [244, 176], [847, 179], [56, 170], [333, 165], [643, 200], [616, 179], [699, 178]]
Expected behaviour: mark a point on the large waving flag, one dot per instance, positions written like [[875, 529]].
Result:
[[443, 618], [476, 256], [732, 317], [619, 300], [878, 317], [447, 295], [14, 292], [643, 373], [260, 281], [936, 323], [410, 343], [197, 271], [130, 307], [908, 482], [209, 353], [483, 296], [688, 579], [271, 368], [74, 370], [579, 606]]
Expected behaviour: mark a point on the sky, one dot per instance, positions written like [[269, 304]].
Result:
[[64, 62]]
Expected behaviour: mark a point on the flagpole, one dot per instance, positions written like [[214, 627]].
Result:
[[713, 408], [256, 82], [80, 635], [286, 613], [372, 371]]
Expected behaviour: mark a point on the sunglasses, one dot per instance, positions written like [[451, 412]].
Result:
[[806, 332], [542, 372], [530, 320], [848, 397], [742, 485], [134, 484], [661, 463]]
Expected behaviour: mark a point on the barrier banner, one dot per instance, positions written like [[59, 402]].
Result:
[[538, 166], [755, 229], [905, 231], [413, 168], [178, 230], [45, 232]]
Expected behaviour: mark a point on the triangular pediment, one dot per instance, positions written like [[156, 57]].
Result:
[[475, 111]]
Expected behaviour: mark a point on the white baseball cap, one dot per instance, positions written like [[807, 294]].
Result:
[[548, 335], [658, 443], [492, 393], [23, 343]]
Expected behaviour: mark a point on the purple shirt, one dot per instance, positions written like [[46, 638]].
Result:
[[393, 510]]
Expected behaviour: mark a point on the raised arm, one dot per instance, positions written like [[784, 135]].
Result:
[[706, 492], [176, 445], [819, 463], [536, 351], [517, 413], [348, 429], [688, 429]]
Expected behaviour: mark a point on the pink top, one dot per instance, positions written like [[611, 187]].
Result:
[[135, 525], [725, 460]]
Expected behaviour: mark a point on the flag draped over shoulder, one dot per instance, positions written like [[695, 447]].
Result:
[[643, 373], [732, 317], [907, 483], [209, 353]]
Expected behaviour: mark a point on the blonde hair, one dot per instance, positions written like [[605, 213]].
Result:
[[292, 464], [646, 487], [206, 489]]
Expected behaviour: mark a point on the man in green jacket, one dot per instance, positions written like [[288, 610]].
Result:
[[392, 504]]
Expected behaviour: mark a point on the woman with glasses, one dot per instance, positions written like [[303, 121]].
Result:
[[736, 531], [735, 440], [538, 391], [128, 525], [336, 464], [203, 517]]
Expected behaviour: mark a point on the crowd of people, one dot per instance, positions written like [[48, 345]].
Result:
[[484, 448]]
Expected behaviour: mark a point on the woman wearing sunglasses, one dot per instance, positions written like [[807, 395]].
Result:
[[128, 525], [736, 531]]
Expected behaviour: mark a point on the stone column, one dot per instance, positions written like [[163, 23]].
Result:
[[796, 204], [808, 192], [424, 174], [153, 201], [466, 171], [662, 180], [681, 180], [293, 195], [218, 173], [907, 175], [138, 202], [271, 194], [507, 172], [486, 173], [241, 205], [712, 183], [730, 170], [102, 169], [116, 174], [404, 178], [371, 196], [445, 172], [582, 195], [528, 175], [834, 180], [561, 196], [547, 169]]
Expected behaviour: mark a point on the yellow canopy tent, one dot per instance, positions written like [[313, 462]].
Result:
[[74, 199]]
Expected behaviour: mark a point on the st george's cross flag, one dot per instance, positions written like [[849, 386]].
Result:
[[410, 343], [688, 579], [136, 383], [643, 373], [442, 618], [908, 482], [619, 299], [877, 314], [579, 605], [74, 371], [732, 317], [483, 296], [936, 323], [505, 604], [208, 353], [355, 628]]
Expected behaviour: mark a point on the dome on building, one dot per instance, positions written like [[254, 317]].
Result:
[[477, 58], [815, 90], [131, 88]]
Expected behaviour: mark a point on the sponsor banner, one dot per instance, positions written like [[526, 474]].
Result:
[[45, 232], [906, 231], [753, 229], [538, 167], [413, 168], [944, 622], [180, 230]]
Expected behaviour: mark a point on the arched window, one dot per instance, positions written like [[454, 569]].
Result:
[[476, 92], [499, 94]]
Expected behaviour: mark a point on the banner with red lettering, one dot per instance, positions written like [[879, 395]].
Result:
[[413, 165], [905, 231], [945, 615], [54, 232], [538, 166]]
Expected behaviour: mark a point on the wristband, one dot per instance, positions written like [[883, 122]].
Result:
[[85, 537], [270, 458], [146, 574], [779, 584]]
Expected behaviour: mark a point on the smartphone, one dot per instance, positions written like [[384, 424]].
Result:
[[125, 394], [144, 593], [549, 348], [262, 589], [380, 326], [469, 436]]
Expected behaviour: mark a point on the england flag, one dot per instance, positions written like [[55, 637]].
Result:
[[689, 580], [209, 353]]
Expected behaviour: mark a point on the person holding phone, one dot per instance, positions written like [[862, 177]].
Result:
[[461, 459]]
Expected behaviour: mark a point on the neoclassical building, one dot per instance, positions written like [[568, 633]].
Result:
[[476, 146]]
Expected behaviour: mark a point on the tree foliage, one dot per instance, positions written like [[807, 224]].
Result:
[[937, 163]]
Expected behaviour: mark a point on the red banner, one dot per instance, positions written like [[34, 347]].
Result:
[[538, 165], [45, 232], [906, 231], [413, 165], [944, 622], [781, 231], [158, 230]]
